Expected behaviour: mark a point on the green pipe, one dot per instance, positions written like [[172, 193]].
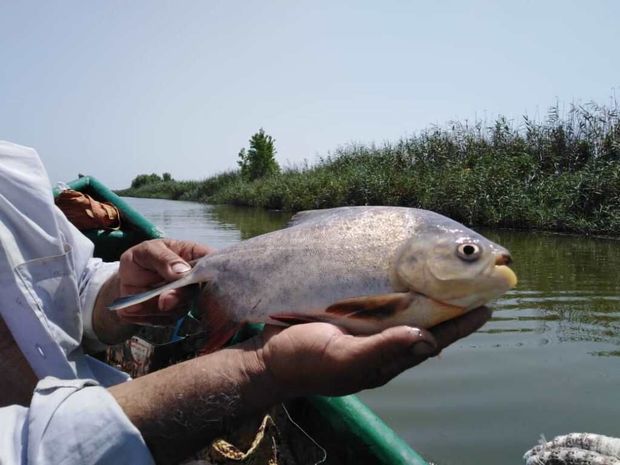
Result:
[[89, 184], [351, 416]]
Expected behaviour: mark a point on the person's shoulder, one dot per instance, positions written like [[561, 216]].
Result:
[[13, 149], [19, 166]]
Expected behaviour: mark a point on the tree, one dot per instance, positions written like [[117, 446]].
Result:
[[143, 179], [167, 177], [259, 160], [243, 163]]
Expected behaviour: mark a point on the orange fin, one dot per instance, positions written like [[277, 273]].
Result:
[[374, 307]]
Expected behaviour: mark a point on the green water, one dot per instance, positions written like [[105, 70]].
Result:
[[546, 364]]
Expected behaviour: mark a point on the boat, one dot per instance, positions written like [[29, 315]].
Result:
[[347, 430]]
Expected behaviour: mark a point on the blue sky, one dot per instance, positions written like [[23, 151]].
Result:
[[118, 88]]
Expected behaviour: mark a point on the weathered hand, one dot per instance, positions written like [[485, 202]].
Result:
[[319, 358], [148, 264]]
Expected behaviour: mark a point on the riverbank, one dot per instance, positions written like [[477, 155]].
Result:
[[562, 174]]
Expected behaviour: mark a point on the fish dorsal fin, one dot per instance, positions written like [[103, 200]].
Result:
[[307, 216], [312, 216], [134, 299]]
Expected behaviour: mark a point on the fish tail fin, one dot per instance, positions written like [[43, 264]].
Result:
[[134, 299]]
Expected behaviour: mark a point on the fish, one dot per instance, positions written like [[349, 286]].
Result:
[[362, 268]]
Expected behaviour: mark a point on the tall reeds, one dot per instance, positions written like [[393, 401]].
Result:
[[559, 174]]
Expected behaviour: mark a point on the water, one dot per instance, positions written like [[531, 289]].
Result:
[[546, 364], [214, 225]]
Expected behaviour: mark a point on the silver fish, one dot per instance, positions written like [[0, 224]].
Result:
[[362, 268]]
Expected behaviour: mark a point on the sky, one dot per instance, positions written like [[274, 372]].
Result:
[[119, 88]]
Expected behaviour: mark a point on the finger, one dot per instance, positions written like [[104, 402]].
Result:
[[423, 344], [452, 330], [380, 357], [149, 313], [135, 278], [271, 330], [176, 301], [187, 250], [157, 256], [137, 263], [148, 307]]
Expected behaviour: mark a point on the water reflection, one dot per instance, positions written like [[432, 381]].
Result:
[[562, 263], [569, 290], [249, 221]]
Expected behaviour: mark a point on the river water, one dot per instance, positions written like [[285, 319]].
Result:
[[546, 364]]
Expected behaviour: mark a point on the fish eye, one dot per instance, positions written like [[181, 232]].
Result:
[[468, 252]]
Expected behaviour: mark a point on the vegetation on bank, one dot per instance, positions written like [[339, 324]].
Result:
[[562, 174]]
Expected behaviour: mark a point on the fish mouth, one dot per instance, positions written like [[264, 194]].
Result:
[[503, 271], [507, 275], [499, 277], [503, 259]]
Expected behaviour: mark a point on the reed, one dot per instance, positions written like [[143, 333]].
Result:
[[173, 190], [560, 174]]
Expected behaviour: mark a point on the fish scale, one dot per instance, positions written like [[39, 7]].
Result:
[[317, 264]]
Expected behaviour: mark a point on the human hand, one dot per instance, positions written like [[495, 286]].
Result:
[[248, 378], [151, 263], [319, 358]]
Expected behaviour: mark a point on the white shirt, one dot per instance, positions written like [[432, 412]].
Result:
[[48, 286]]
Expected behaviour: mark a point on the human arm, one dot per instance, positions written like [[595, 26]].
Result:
[[183, 407], [71, 421]]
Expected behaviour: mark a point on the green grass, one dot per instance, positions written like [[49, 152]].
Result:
[[562, 174], [173, 190]]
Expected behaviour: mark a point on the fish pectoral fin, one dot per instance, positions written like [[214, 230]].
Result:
[[293, 318], [373, 307]]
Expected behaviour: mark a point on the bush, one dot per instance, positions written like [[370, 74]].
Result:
[[560, 174]]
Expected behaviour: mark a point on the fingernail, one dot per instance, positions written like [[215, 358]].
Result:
[[423, 349], [181, 267], [417, 332]]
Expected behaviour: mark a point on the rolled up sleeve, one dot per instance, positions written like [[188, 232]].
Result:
[[94, 275], [70, 422], [91, 274]]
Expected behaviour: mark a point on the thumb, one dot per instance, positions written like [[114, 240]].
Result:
[[158, 257], [383, 356]]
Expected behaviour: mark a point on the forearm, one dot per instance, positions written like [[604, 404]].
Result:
[[107, 325], [180, 409]]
